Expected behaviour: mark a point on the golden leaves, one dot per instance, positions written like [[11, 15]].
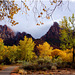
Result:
[[66, 55], [44, 10], [26, 6], [27, 47], [9, 10], [45, 50], [37, 24], [0, 9], [1, 40], [41, 13], [54, 1], [39, 16], [41, 23], [51, 3], [2, 16], [14, 22], [4, 9], [47, 17]]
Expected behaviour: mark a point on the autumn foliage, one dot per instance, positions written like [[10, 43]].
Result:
[[25, 51], [27, 47], [66, 55], [8, 8], [47, 51]]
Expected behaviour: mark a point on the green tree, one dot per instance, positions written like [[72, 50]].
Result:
[[68, 34], [27, 47]]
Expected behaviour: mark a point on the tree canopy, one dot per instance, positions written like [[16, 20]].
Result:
[[1, 48], [45, 50], [27, 47], [68, 33]]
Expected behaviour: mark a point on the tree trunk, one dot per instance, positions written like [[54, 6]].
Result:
[[73, 54]]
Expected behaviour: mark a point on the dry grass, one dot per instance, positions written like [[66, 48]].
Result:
[[58, 71]]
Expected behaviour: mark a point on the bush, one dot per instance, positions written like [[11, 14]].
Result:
[[53, 67], [37, 67], [44, 61], [73, 65], [39, 64], [40, 61]]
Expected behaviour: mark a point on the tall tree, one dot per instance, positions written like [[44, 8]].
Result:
[[1, 48], [12, 53], [68, 34], [45, 50], [27, 47]]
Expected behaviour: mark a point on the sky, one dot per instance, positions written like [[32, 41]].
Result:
[[27, 23]]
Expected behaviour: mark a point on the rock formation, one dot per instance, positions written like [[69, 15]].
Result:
[[52, 36], [9, 36]]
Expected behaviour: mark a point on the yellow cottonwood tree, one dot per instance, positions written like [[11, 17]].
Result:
[[1, 48], [45, 50], [12, 53], [27, 47]]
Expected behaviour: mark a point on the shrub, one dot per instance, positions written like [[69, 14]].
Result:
[[66, 55], [53, 67]]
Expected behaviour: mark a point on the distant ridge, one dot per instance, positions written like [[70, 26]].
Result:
[[52, 36], [9, 36]]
